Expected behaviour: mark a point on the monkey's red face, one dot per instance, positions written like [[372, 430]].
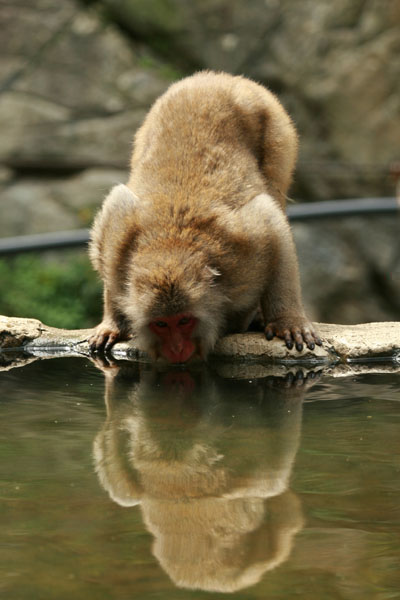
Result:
[[175, 335]]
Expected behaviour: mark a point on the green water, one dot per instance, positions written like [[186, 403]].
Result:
[[179, 485]]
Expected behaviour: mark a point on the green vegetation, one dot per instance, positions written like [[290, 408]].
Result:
[[61, 293], [148, 15]]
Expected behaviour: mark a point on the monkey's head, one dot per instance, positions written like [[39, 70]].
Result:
[[174, 302], [175, 336]]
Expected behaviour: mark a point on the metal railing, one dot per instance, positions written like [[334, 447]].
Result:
[[296, 212]]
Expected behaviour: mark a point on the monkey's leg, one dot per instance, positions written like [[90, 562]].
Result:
[[281, 302], [111, 330]]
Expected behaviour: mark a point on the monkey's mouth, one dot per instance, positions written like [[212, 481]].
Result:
[[184, 357], [180, 357]]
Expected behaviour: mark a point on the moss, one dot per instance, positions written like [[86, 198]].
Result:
[[162, 69], [64, 293], [148, 15]]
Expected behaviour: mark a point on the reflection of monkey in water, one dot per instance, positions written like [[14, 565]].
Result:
[[209, 463]]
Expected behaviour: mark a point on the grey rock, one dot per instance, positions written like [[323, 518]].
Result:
[[72, 93], [39, 206], [350, 268], [341, 344], [334, 64]]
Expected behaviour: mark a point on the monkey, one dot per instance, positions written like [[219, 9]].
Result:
[[198, 241]]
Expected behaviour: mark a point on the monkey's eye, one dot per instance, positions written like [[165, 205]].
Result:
[[184, 321], [160, 324]]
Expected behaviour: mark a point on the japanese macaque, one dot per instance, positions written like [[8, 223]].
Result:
[[197, 241]]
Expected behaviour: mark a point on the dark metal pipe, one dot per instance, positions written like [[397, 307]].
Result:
[[296, 212], [342, 208], [44, 241]]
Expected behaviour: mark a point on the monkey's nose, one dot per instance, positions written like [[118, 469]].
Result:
[[181, 354], [177, 344], [177, 348]]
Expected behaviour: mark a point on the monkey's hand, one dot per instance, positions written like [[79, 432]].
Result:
[[104, 337], [294, 330]]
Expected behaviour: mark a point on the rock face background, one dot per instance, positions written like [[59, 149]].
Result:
[[76, 80]]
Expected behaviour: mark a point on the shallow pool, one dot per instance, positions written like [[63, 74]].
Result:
[[138, 484]]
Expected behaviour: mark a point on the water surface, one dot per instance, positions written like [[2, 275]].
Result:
[[192, 485]]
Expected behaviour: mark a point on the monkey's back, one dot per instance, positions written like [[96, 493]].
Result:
[[213, 140]]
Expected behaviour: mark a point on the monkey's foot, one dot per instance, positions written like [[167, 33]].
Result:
[[104, 337], [297, 331]]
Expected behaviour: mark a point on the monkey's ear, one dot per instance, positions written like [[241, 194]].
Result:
[[115, 220], [119, 205], [120, 197]]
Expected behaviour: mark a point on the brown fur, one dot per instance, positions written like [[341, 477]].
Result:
[[199, 227], [212, 489]]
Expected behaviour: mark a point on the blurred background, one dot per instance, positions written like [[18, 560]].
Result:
[[77, 78]]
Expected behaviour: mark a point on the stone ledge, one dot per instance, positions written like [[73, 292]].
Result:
[[341, 344]]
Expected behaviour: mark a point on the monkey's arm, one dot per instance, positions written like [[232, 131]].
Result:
[[111, 329], [112, 239], [280, 300]]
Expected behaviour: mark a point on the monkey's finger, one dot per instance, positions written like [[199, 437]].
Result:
[[299, 379], [287, 336], [104, 364], [298, 338], [112, 338], [309, 339], [96, 343], [314, 374], [269, 333], [288, 381], [317, 339]]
